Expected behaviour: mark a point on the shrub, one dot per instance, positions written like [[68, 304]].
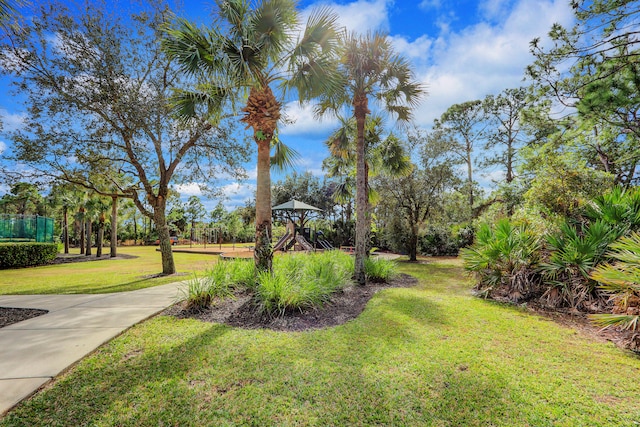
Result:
[[196, 294], [28, 254], [445, 241], [380, 269], [622, 281], [302, 281], [574, 252], [219, 282], [504, 259], [237, 272], [619, 208]]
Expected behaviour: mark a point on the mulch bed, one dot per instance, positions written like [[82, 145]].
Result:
[[9, 316], [242, 311]]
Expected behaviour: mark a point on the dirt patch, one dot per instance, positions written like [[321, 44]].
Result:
[[10, 315], [243, 312]]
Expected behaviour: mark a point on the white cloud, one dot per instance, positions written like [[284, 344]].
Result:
[[416, 51], [430, 4], [304, 122], [482, 59], [361, 16], [237, 194], [3, 146], [11, 121], [189, 189], [313, 165], [494, 9]]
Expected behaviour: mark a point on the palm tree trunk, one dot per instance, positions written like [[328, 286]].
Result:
[[362, 214], [263, 254], [114, 227]]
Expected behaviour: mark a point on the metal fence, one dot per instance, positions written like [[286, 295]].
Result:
[[26, 228]]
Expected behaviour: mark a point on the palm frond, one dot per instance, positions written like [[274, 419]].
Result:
[[284, 157], [192, 48], [623, 321]]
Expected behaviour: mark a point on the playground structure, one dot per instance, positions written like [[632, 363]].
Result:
[[297, 237]]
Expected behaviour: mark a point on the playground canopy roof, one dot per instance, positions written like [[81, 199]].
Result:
[[294, 205]]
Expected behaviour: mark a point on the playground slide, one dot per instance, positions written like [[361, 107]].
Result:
[[325, 244], [280, 243], [303, 242]]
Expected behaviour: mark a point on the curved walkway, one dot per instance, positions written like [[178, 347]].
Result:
[[35, 351]]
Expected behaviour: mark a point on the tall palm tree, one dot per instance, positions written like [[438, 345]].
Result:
[[251, 51], [384, 156], [370, 70]]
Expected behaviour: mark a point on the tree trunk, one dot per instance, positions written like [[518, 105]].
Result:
[[135, 230], [263, 253], [87, 251], [362, 214], [413, 243], [82, 231], [168, 264], [99, 239], [114, 227], [470, 182], [65, 226]]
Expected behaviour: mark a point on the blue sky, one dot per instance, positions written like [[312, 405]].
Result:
[[461, 50]]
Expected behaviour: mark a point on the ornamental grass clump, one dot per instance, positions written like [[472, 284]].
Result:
[[380, 269], [219, 282], [302, 281]]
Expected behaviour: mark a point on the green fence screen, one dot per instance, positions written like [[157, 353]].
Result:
[[26, 228]]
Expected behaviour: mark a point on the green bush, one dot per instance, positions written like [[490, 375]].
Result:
[[440, 240], [16, 255], [621, 281], [505, 259], [573, 253], [379, 269]]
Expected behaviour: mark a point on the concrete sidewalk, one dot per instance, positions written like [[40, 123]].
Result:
[[34, 351]]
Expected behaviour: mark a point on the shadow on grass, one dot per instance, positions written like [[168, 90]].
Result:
[[390, 366], [114, 380]]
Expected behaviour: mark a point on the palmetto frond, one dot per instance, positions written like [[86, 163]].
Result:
[[193, 49], [284, 157], [622, 321], [314, 59], [185, 104]]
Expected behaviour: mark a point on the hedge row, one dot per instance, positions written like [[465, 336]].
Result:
[[15, 255]]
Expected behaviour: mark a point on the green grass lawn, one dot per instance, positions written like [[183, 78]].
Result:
[[101, 276], [432, 355]]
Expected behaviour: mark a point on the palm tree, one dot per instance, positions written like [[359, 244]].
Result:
[[384, 156], [369, 68], [249, 52]]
